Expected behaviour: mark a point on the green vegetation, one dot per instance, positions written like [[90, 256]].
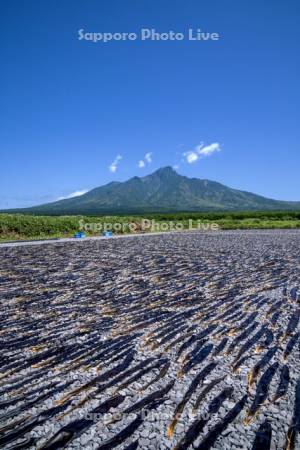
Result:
[[19, 226]]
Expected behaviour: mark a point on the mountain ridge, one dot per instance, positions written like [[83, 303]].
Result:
[[161, 191]]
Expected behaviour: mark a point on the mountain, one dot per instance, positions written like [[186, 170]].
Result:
[[162, 191]]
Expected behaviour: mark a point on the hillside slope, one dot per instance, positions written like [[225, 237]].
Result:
[[164, 190]]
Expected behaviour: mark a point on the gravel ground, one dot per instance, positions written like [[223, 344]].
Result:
[[170, 341]]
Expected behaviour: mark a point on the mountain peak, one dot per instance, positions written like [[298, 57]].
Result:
[[162, 191], [166, 169], [165, 172]]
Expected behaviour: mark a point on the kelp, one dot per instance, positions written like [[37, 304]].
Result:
[[83, 322], [141, 373], [206, 390], [244, 335], [163, 371], [150, 401], [122, 435], [260, 365], [75, 428], [261, 391], [219, 348], [198, 425], [293, 323], [180, 407], [196, 359], [19, 432], [250, 343], [216, 431], [290, 345], [294, 427], [283, 383], [263, 437]]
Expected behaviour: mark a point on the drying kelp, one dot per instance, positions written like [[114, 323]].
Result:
[[241, 337], [260, 365], [295, 294], [293, 323], [220, 347], [275, 307], [262, 390], [180, 407], [198, 425], [294, 428], [151, 401], [163, 371], [196, 359], [283, 383], [122, 435], [263, 437], [95, 333], [251, 342], [77, 427], [290, 345], [206, 390], [22, 428], [275, 318], [141, 373], [200, 339], [266, 342], [217, 430]]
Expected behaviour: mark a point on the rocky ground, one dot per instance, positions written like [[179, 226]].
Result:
[[176, 341]]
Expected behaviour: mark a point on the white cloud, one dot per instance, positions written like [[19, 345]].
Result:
[[176, 166], [74, 194], [209, 149], [148, 157], [147, 160], [201, 151], [191, 157], [114, 164]]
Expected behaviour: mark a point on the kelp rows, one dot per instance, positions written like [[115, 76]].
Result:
[[175, 341]]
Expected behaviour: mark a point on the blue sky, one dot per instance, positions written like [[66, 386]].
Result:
[[77, 114]]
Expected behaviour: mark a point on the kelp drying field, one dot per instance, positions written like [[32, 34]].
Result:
[[172, 341]]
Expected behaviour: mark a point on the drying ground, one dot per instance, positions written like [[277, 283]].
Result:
[[177, 341]]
